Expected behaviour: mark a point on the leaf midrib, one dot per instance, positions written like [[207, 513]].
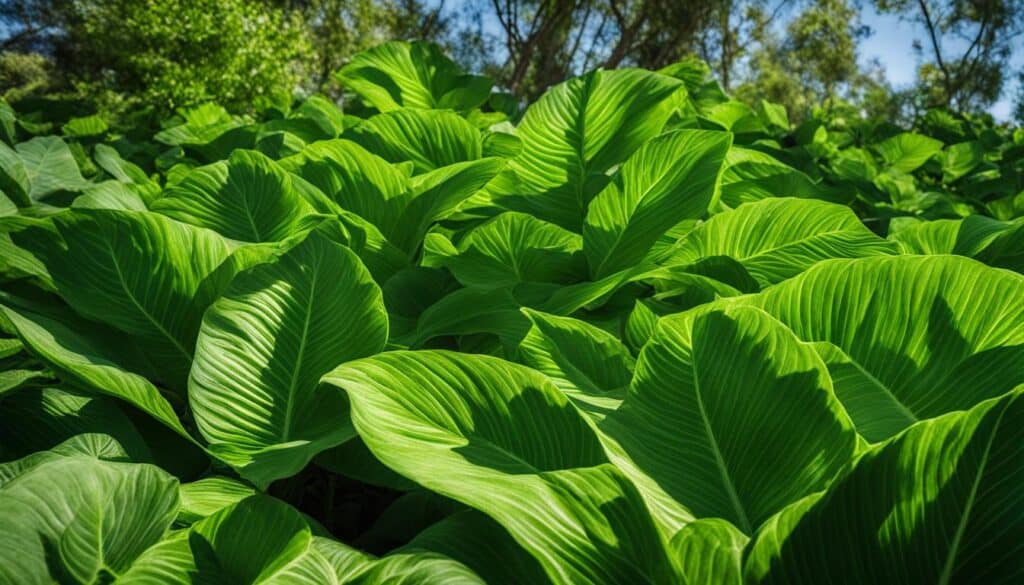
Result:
[[948, 566], [289, 412], [719, 460], [903, 408], [636, 204], [795, 243], [124, 286], [252, 220], [743, 257]]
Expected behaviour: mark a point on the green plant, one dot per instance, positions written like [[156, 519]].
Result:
[[644, 334]]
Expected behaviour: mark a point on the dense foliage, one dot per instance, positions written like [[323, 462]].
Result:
[[128, 56], [634, 332]]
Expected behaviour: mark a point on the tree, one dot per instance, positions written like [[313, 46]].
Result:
[[656, 33], [23, 74], [166, 54], [720, 41], [547, 41], [814, 64], [966, 50]]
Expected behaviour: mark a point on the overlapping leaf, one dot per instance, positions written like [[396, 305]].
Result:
[[669, 179], [938, 503], [413, 75], [80, 519], [263, 347], [137, 272], [912, 326], [247, 198], [776, 239], [502, 439], [707, 422], [578, 131]]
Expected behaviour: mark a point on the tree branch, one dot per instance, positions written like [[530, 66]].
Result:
[[935, 47], [627, 33], [579, 35]]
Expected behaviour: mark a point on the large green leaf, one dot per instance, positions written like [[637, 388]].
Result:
[[401, 209], [263, 347], [397, 568], [205, 497], [322, 111], [248, 198], [410, 292], [467, 311], [39, 419], [198, 125], [169, 562], [138, 272], [669, 179], [588, 364], [710, 416], [912, 325], [578, 131], [751, 175], [261, 540], [510, 249], [14, 177], [501, 438], [776, 239], [49, 167], [412, 75], [940, 503], [110, 195], [209, 132], [732, 115], [80, 519], [416, 569], [85, 126], [640, 325], [357, 180], [126, 172], [7, 206], [996, 243], [960, 159], [436, 195], [380, 256], [430, 139], [257, 540], [12, 379], [907, 151], [89, 355], [19, 263], [483, 309], [869, 402], [96, 445]]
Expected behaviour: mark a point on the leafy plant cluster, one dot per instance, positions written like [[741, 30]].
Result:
[[637, 332]]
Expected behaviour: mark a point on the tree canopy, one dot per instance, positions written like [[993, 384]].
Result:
[[248, 54]]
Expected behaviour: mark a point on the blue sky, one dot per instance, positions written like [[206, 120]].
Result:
[[892, 44]]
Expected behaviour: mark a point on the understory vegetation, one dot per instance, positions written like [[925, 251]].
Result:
[[634, 331]]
